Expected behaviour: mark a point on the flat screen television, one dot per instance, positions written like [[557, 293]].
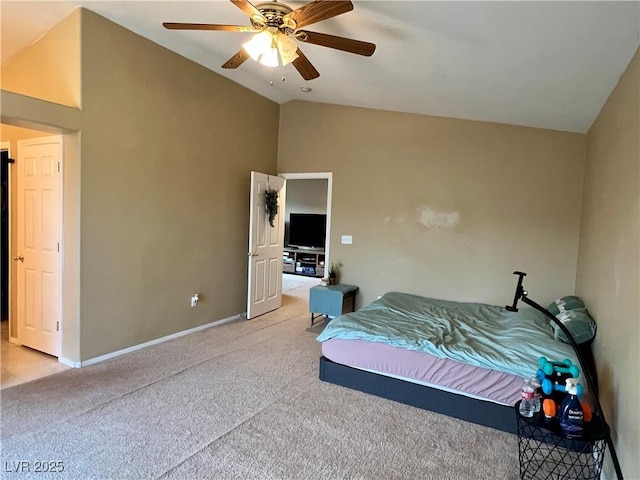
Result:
[[307, 230]]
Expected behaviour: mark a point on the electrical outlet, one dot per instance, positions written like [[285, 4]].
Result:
[[347, 239], [194, 300]]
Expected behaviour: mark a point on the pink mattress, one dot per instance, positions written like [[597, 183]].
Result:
[[422, 368]]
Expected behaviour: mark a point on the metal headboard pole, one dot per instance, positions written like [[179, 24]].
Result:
[[521, 294]]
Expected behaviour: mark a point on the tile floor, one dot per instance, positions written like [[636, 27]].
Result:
[[22, 364]]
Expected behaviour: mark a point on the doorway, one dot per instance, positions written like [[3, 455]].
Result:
[[19, 363], [309, 193]]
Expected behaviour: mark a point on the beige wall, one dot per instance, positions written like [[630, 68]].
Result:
[[400, 180], [11, 133], [166, 159], [306, 196], [608, 274], [162, 175], [50, 68]]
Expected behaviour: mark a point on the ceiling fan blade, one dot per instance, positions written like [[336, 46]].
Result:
[[339, 43], [304, 67], [319, 10], [249, 9], [207, 26], [237, 60]]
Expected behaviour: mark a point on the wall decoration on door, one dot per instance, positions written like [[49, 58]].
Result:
[[271, 204]]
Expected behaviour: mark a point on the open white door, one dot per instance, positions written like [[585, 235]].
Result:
[[265, 247], [39, 189]]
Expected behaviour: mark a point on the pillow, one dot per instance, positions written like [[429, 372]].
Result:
[[573, 314], [570, 302]]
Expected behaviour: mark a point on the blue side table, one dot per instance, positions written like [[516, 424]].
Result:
[[330, 300]]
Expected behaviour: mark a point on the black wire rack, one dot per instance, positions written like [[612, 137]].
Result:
[[546, 453]]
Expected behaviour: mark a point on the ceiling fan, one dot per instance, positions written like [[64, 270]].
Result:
[[277, 27]]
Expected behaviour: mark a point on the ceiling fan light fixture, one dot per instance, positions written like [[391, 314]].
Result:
[[259, 45], [270, 58], [264, 47], [288, 48]]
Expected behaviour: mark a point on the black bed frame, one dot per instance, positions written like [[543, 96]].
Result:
[[484, 413]]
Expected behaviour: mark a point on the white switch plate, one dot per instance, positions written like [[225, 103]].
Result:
[[347, 239]]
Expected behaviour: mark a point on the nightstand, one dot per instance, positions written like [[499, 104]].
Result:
[[546, 453], [330, 300]]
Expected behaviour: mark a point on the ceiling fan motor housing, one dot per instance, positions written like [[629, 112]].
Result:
[[276, 18]]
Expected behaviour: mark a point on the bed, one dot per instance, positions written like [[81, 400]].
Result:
[[466, 360]]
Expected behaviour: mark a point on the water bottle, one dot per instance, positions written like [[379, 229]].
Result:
[[537, 393], [526, 404]]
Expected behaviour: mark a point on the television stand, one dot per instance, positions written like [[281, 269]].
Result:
[[303, 261]]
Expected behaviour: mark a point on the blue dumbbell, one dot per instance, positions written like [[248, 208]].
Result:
[[566, 366], [548, 386]]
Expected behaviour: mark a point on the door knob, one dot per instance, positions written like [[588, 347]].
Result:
[[253, 254], [21, 258]]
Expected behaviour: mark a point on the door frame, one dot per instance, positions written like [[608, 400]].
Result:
[[70, 270], [318, 176]]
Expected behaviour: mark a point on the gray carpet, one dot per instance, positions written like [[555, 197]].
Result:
[[237, 401]]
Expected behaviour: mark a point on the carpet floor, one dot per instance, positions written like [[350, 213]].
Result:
[[236, 401]]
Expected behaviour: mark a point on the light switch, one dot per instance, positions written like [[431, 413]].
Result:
[[347, 239]]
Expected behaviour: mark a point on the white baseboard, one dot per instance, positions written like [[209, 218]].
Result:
[[69, 363], [134, 348]]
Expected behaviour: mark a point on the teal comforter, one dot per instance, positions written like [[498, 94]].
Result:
[[482, 335]]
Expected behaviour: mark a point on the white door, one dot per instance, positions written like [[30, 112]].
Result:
[[39, 188], [265, 247]]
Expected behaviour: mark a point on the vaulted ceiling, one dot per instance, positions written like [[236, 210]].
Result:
[[540, 64]]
